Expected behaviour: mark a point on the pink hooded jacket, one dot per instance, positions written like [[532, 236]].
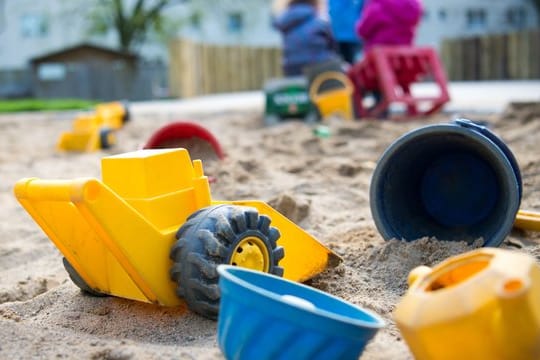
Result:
[[389, 22]]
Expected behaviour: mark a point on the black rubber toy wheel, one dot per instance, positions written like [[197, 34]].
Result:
[[106, 138], [221, 234], [78, 280], [127, 115]]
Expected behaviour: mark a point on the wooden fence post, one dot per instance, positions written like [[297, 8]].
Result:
[[534, 54], [198, 69], [493, 57], [174, 68]]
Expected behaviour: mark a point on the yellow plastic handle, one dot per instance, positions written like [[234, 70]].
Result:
[[527, 220], [329, 75]]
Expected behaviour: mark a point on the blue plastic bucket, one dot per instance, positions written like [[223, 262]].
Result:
[[263, 317], [455, 181]]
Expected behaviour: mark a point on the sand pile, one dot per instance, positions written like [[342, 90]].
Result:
[[320, 183]]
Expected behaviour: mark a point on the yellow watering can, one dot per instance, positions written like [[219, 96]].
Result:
[[484, 304]]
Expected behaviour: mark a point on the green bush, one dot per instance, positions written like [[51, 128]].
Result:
[[9, 106]]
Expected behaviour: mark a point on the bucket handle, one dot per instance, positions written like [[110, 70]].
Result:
[[329, 75], [468, 124]]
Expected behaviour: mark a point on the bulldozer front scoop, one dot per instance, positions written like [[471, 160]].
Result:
[[305, 256]]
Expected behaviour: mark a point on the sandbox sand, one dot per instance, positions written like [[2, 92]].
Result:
[[320, 183]]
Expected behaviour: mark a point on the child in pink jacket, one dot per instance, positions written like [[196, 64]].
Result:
[[389, 22]]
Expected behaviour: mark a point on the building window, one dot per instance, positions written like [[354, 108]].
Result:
[[516, 17], [476, 19], [51, 71], [2, 15], [442, 14], [235, 22], [34, 26], [195, 20]]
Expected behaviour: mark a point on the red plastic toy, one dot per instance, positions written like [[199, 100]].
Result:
[[176, 131], [391, 70]]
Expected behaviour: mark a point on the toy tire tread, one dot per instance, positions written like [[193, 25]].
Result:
[[127, 115], [104, 142], [206, 240]]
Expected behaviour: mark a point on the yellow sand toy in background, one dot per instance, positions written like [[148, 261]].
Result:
[[94, 131], [484, 304], [527, 220], [336, 100], [118, 235]]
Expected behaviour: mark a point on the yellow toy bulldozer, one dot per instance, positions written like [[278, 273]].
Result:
[[96, 130], [150, 231]]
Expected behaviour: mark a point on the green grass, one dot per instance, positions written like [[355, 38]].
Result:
[[10, 106]]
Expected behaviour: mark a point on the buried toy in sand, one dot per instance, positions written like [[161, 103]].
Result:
[[199, 141], [95, 131], [265, 317], [460, 182], [130, 236], [455, 181], [119, 234]]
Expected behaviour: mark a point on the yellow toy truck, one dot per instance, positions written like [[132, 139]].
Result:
[[150, 231], [96, 130]]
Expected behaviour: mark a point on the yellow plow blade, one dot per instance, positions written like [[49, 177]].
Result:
[[305, 256]]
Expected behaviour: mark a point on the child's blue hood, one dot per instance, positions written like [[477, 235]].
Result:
[[293, 16]]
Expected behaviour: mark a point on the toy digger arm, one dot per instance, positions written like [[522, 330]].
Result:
[[50, 190], [114, 249], [39, 197]]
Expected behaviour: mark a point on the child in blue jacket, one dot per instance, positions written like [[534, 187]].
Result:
[[343, 16], [307, 39]]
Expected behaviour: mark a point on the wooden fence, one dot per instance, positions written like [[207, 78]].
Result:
[[494, 57], [197, 69]]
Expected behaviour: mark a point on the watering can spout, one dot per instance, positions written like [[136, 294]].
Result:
[[417, 273]]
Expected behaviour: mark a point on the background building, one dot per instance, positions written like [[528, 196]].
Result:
[[31, 29], [461, 18]]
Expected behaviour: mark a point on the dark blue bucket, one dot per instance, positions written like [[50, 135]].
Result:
[[454, 181]]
